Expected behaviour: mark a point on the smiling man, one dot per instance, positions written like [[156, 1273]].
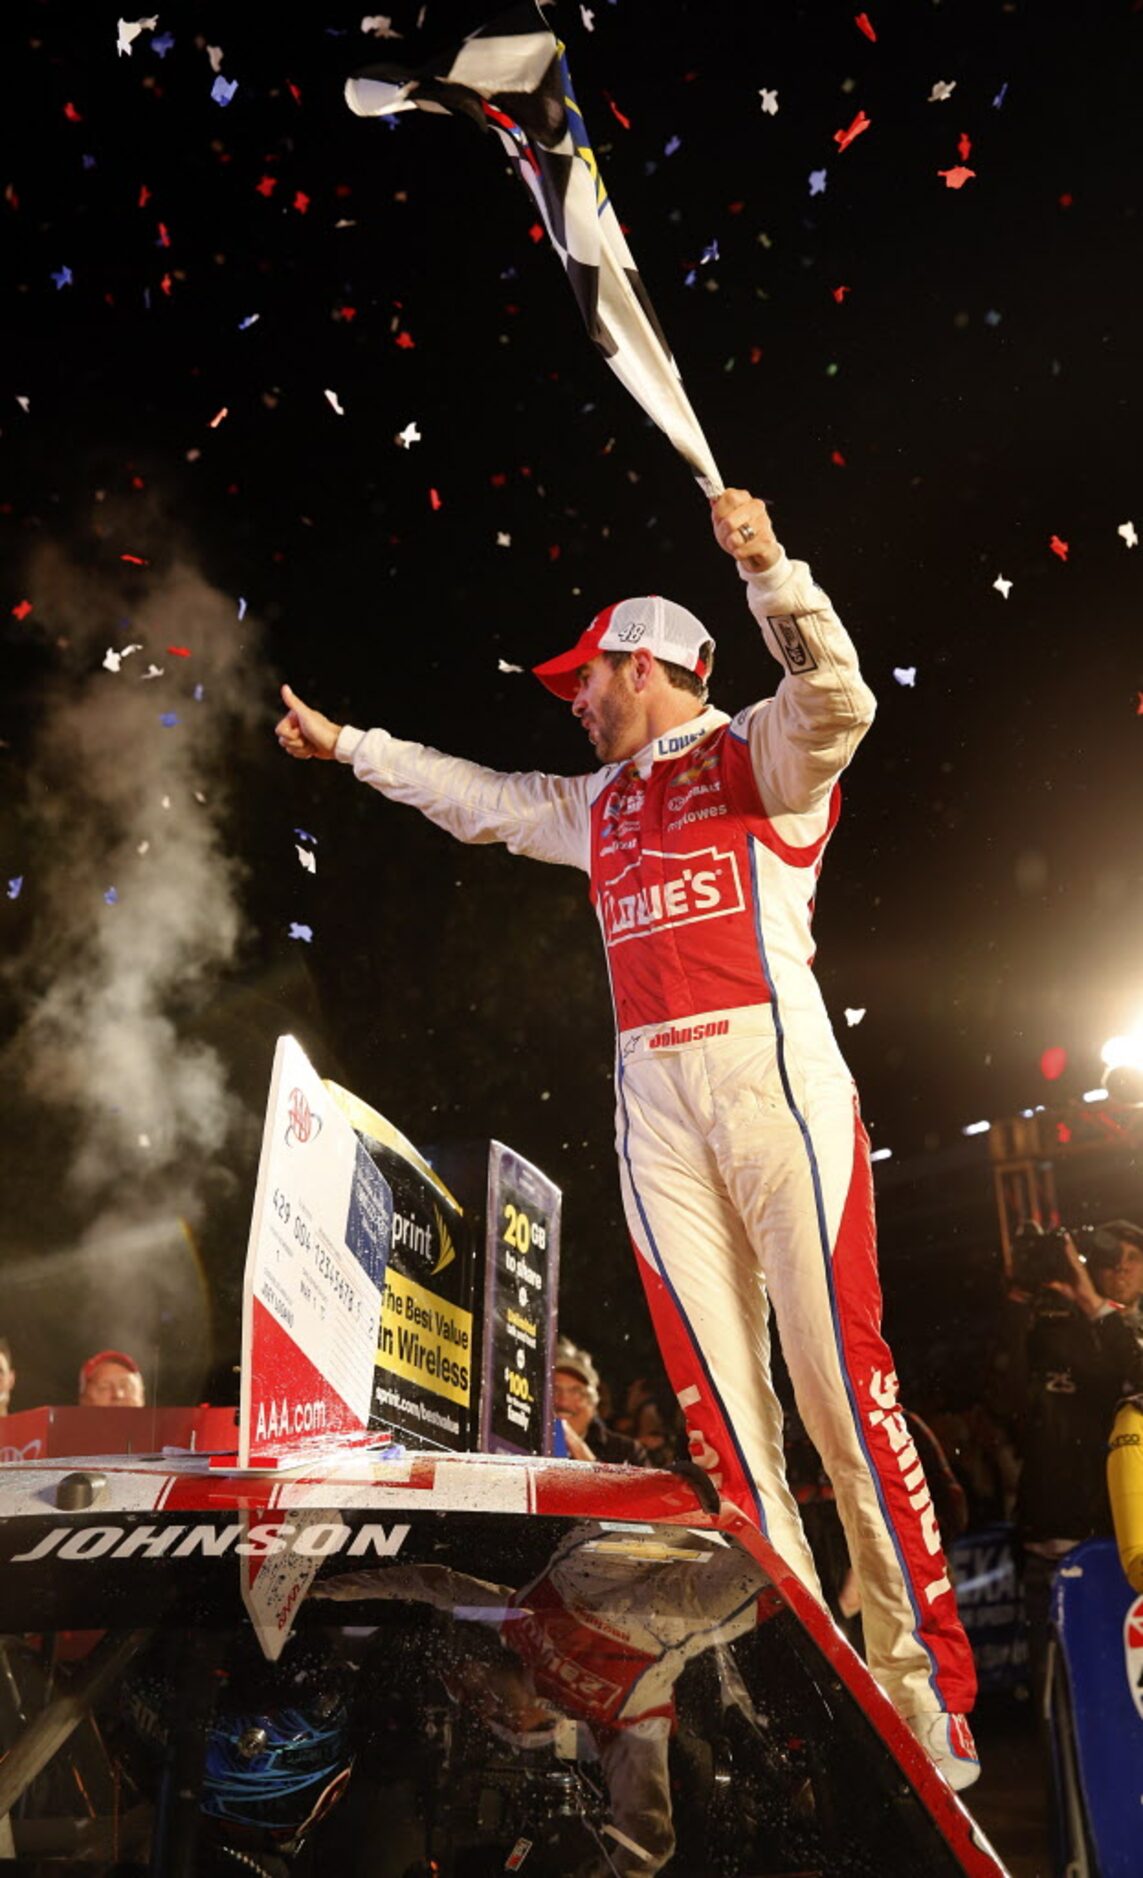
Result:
[[743, 1160]]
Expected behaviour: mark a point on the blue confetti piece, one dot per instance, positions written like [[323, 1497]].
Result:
[[223, 89], [14, 886], [163, 44], [199, 694], [241, 607], [690, 279], [992, 317], [817, 182], [1000, 96], [112, 896], [302, 836], [301, 932], [64, 278], [248, 321], [709, 253], [147, 298], [168, 719], [89, 162], [672, 144]]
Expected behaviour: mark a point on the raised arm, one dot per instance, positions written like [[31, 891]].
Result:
[[545, 817], [804, 736]]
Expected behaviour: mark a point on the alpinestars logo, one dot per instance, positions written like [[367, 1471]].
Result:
[[698, 886]]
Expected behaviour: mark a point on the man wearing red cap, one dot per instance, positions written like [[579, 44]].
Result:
[[111, 1379], [743, 1160]]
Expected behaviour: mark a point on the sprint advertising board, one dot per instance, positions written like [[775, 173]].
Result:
[[425, 1379]]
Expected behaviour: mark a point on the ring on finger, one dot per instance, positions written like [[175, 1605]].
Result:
[[746, 531]]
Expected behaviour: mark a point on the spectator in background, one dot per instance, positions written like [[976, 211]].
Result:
[[111, 1379], [575, 1397], [656, 1427], [1121, 1280], [7, 1375]]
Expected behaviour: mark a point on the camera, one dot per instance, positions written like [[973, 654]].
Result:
[[1040, 1255]]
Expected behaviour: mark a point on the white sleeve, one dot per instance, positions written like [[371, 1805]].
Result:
[[546, 817], [804, 736]]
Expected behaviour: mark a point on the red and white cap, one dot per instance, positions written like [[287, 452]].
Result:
[[664, 627]]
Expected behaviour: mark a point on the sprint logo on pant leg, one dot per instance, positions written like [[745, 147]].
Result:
[[889, 1416]]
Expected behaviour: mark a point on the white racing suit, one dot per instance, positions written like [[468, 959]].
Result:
[[743, 1160]]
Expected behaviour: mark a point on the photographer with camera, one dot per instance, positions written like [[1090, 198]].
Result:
[[1074, 1350]]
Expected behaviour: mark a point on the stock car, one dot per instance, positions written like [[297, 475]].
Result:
[[395, 1663]]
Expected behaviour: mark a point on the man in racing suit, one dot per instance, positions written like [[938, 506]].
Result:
[[743, 1161]]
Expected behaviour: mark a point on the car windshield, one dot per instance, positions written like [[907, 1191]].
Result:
[[460, 1693]]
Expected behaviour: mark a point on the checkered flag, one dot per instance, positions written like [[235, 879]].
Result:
[[512, 77]]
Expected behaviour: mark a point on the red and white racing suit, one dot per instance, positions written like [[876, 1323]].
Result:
[[743, 1160]]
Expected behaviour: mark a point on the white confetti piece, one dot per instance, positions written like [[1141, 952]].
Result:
[[332, 398], [152, 671], [854, 1014], [769, 102], [1127, 530], [905, 674], [25, 404], [214, 54], [943, 89], [129, 31], [1002, 586], [588, 18], [503, 540], [502, 665], [409, 436], [380, 25], [308, 860]]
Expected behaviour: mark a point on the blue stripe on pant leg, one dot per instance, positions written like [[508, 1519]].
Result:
[[823, 1235]]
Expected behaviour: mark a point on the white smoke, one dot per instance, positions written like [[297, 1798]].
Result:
[[138, 908]]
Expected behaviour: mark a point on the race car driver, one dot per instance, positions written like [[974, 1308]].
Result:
[[743, 1160]]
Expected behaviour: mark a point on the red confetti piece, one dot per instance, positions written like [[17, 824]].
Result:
[[343, 190], [218, 417], [346, 312], [735, 208], [964, 146], [1066, 200], [755, 354], [1063, 1133], [956, 178], [301, 202], [135, 560], [839, 293], [295, 91], [554, 551], [434, 499], [498, 479], [137, 482], [865, 25], [73, 116], [1053, 1062], [267, 186], [843, 138], [1059, 547], [166, 284], [179, 652], [835, 456], [616, 112], [164, 237], [21, 609], [144, 196], [405, 341], [536, 231]]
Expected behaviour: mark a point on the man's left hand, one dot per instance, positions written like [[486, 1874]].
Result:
[[742, 529]]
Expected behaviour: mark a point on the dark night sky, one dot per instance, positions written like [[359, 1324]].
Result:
[[983, 896]]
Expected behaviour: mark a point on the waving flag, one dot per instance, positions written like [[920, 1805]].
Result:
[[512, 77]]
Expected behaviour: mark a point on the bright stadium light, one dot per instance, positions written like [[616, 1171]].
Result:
[[1123, 1064], [1095, 1095]]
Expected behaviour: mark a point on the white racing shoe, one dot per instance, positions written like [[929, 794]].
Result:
[[948, 1742]]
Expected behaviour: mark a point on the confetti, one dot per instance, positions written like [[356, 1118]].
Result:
[[112, 896], [333, 400], [616, 112], [23, 607], [129, 31], [301, 932], [1002, 586], [307, 858], [843, 138], [502, 540], [769, 102], [839, 293], [301, 202], [380, 25], [434, 500], [588, 18], [218, 417], [405, 341], [25, 404], [248, 321], [14, 886], [854, 1014], [817, 182], [964, 146], [303, 836], [112, 660], [266, 186], [865, 25], [943, 89], [63, 278], [241, 607], [1127, 530], [162, 44], [502, 665], [905, 675], [168, 719], [152, 671], [957, 177], [223, 89], [672, 144], [1000, 96], [1059, 547], [409, 436], [179, 652], [214, 54]]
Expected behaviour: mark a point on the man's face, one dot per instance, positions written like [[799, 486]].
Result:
[[571, 1400], [7, 1382], [1123, 1281], [111, 1386], [606, 705]]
